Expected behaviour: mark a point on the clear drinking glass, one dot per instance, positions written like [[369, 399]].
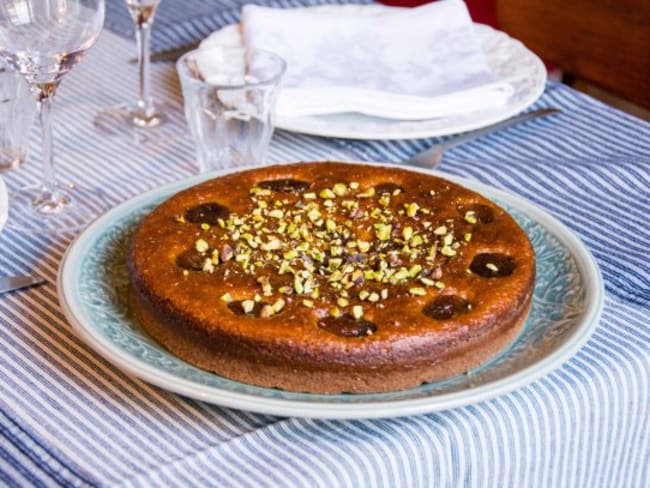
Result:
[[17, 110], [230, 116], [43, 40], [145, 114]]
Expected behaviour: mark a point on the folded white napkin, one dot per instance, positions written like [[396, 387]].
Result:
[[407, 64]]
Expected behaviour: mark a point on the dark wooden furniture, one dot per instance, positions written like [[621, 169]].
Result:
[[604, 42]]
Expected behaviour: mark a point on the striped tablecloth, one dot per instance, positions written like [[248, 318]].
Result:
[[69, 418]]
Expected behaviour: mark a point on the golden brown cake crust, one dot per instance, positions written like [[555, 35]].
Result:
[[450, 303]]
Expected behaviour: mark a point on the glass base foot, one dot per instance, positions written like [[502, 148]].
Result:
[[57, 210], [130, 122]]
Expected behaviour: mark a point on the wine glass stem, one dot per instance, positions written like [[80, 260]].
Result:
[[45, 94], [143, 39]]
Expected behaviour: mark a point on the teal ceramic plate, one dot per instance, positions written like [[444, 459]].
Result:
[[567, 304]]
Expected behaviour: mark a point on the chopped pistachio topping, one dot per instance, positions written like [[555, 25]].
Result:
[[267, 311], [340, 189], [336, 251], [226, 253], [412, 209], [369, 193], [363, 246], [267, 289], [470, 216], [201, 245], [279, 305], [384, 200], [357, 311], [330, 225], [492, 267], [313, 215], [383, 231], [433, 250], [339, 243], [257, 191], [415, 270], [208, 267], [401, 275], [335, 312], [298, 286], [447, 251], [247, 306], [272, 245], [290, 254]]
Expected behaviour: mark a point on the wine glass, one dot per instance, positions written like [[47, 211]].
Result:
[[43, 40], [124, 119]]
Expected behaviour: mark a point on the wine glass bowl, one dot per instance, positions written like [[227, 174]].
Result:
[[46, 41], [43, 40]]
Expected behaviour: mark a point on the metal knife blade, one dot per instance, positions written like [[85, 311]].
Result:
[[432, 156], [170, 54], [12, 283]]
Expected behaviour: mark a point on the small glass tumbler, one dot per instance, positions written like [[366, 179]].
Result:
[[17, 109], [230, 96]]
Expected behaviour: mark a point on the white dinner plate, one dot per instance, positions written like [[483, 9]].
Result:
[[567, 303], [509, 59], [4, 203]]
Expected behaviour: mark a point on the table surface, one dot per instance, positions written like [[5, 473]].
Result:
[[67, 417]]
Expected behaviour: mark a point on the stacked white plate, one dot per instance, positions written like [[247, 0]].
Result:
[[508, 58]]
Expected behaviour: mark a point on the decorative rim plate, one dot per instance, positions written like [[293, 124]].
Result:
[[509, 59], [4, 203], [567, 304]]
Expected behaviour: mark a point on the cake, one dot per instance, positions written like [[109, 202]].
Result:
[[330, 277]]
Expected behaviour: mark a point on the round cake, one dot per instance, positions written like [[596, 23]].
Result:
[[331, 277]]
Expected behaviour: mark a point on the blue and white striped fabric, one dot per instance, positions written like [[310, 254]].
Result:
[[181, 23], [69, 418]]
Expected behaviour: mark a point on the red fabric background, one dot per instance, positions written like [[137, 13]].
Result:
[[483, 11]]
